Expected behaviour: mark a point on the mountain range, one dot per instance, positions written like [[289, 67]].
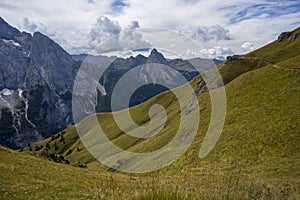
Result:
[[37, 77]]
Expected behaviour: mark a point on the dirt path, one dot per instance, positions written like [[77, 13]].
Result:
[[268, 62]]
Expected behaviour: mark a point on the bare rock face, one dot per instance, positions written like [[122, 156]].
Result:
[[7, 31], [36, 80], [284, 36], [293, 37], [156, 57], [53, 63], [13, 64], [288, 36]]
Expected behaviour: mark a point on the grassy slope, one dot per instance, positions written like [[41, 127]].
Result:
[[278, 51], [256, 156], [292, 63], [260, 140], [230, 71], [275, 52]]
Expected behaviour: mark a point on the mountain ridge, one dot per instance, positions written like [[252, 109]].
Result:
[[36, 84]]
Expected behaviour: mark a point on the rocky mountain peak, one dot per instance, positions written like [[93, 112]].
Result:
[[156, 57], [7, 31], [154, 51], [42, 42], [55, 64]]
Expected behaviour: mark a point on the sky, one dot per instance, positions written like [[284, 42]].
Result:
[[217, 27]]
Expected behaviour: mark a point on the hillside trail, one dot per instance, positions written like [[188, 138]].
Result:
[[270, 63]]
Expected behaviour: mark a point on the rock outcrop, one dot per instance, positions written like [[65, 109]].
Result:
[[288, 36]]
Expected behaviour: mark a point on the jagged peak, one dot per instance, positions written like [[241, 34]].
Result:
[[8, 31], [39, 34], [41, 40], [154, 52], [156, 56]]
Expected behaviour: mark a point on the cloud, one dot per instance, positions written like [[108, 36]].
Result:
[[212, 23], [215, 52], [118, 5], [104, 28], [31, 27], [270, 8], [34, 27], [133, 25], [223, 51], [107, 35], [206, 33], [262, 29], [248, 46]]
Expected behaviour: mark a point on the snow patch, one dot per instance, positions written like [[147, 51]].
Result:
[[26, 114], [6, 92], [12, 42], [20, 91], [101, 88]]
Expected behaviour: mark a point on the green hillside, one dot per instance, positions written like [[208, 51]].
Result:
[[256, 157], [280, 50]]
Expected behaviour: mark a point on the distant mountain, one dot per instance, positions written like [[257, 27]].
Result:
[[93, 59], [37, 77], [121, 66], [117, 67]]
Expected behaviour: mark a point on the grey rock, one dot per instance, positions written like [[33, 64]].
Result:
[[39, 75], [290, 36]]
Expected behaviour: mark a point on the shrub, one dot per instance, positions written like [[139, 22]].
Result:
[[69, 152], [62, 139], [55, 147]]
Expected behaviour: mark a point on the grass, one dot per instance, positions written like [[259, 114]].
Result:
[[233, 69], [256, 156], [166, 195], [27, 177], [292, 63]]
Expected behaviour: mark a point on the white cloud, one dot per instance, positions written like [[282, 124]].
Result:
[[107, 35], [33, 27], [29, 25], [215, 52], [206, 33], [223, 50], [102, 30], [212, 23], [248, 46]]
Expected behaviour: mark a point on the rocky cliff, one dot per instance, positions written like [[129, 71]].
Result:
[[36, 80]]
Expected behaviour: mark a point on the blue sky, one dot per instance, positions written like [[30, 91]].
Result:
[[220, 27]]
